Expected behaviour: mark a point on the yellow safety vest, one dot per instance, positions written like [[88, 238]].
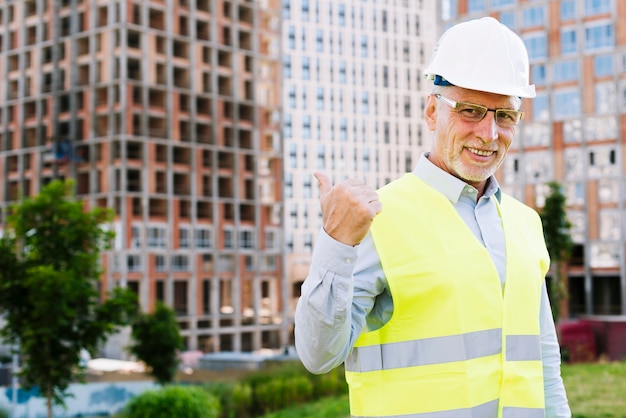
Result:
[[457, 345]]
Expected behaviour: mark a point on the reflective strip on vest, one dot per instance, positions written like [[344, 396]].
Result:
[[487, 410], [427, 351], [523, 348]]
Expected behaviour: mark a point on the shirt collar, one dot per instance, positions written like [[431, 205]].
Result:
[[450, 186]]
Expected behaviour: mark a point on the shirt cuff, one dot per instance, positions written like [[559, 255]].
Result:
[[332, 255]]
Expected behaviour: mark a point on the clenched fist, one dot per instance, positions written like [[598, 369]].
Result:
[[348, 208]]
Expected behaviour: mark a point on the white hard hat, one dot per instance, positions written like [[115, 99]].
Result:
[[482, 54]]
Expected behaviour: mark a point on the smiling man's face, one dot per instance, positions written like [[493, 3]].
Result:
[[469, 150]]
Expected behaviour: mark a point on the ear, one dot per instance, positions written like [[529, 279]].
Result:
[[430, 112]]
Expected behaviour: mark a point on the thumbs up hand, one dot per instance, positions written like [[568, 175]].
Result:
[[348, 208]]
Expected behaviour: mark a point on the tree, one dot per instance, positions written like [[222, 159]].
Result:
[[559, 242], [49, 274], [156, 341]]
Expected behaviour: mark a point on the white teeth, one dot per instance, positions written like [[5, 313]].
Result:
[[481, 152]]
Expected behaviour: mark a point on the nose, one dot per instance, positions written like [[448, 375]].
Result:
[[487, 129]]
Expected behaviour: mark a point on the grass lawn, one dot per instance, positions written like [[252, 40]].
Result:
[[594, 390]]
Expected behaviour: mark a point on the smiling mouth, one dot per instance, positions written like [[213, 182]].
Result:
[[482, 153]]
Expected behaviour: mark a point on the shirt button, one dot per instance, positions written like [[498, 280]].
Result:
[[347, 260]]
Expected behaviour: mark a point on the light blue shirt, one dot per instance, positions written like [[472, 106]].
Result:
[[346, 291]]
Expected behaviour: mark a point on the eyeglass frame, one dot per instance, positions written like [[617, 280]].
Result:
[[455, 105]]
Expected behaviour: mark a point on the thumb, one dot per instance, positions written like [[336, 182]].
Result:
[[324, 183]]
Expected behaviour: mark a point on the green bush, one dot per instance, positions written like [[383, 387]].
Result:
[[174, 401], [235, 398], [274, 388], [332, 383], [276, 394]]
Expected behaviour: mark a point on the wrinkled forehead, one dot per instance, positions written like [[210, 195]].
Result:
[[484, 98]]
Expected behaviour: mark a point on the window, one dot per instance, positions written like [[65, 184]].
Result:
[[501, 3], [568, 9], [287, 66], [610, 225], [203, 238], [291, 37], [246, 239], [606, 98], [307, 189], [363, 46], [287, 128], [343, 131], [320, 98], [293, 155], [321, 156], [292, 97], [136, 237], [565, 71], [536, 134], [539, 74], [593, 7], [206, 297], [160, 263], [305, 10], [286, 9], [156, 237], [566, 104], [365, 102], [537, 46], [183, 238], [508, 19], [608, 190], [306, 68], [600, 36], [572, 131], [319, 40], [602, 162], [249, 263], [180, 263], [366, 159], [568, 41], [180, 297], [341, 15], [271, 240], [228, 238], [306, 126], [603, 65], [342, 72], [541, 110], [476, 5], [268, 263], [533, 16], [133, 263]]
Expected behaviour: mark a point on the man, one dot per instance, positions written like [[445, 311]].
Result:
[[432, 290]]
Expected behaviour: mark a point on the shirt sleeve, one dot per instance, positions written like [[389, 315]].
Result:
[[554, 390], [337, 295]]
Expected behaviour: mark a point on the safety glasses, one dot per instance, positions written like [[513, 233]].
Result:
[[471, 112]]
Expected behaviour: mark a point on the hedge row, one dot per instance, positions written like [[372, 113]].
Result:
[[255, 395], [274, 389]]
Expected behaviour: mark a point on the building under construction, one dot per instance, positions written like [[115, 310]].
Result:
[[168, 112]]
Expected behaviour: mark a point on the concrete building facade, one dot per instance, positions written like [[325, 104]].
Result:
[[353, 98], [167, 111], [573, 132]]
